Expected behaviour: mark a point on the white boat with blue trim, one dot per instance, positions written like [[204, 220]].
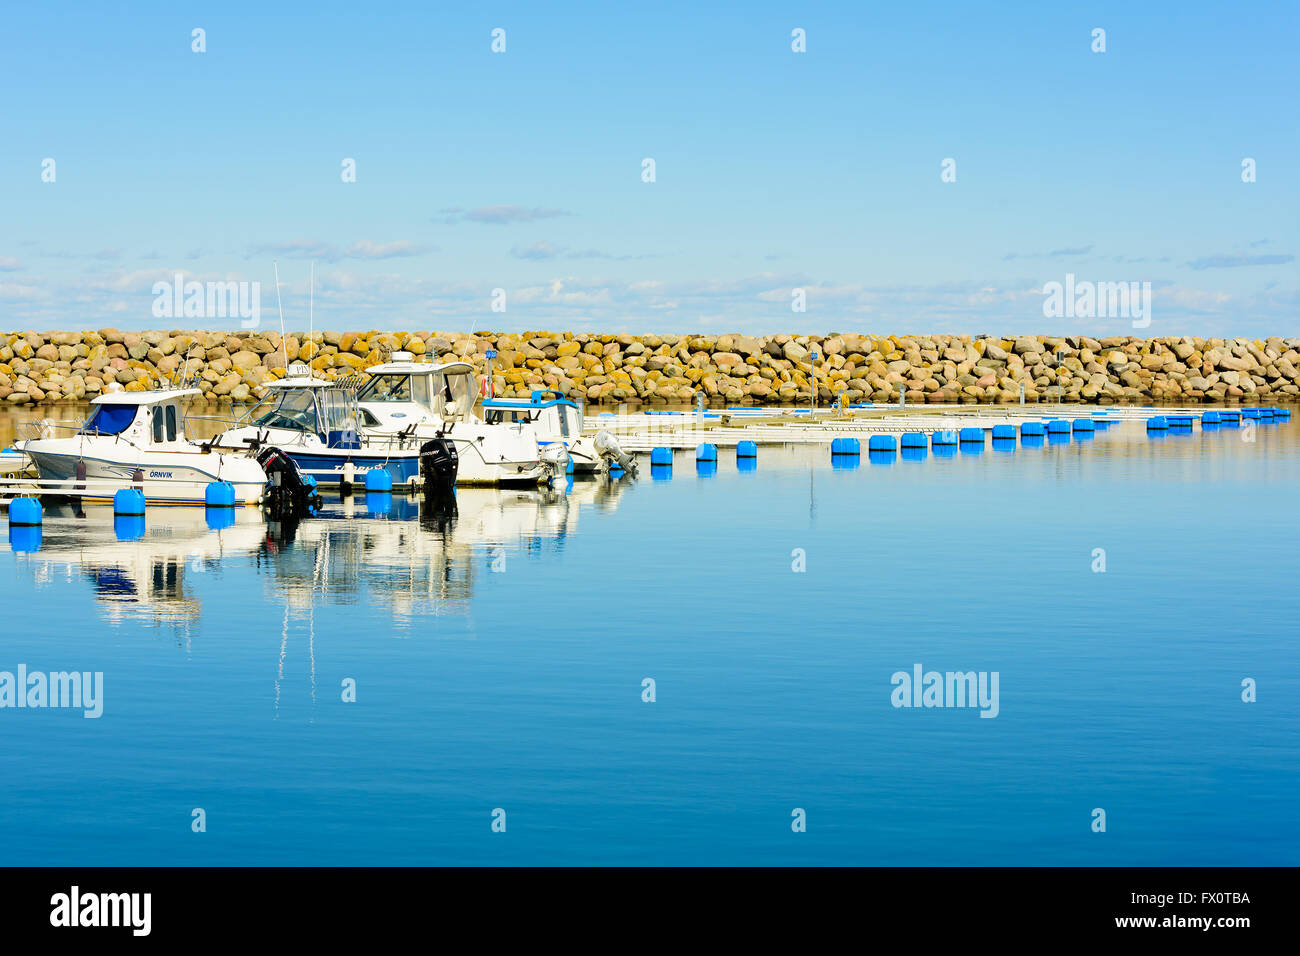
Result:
[[138, 439], [423, 400], [553, 420], [403, 397]]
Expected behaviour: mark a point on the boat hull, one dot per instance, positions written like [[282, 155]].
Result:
[[400, 458], [166, 479], [486, 456], [327, 466]]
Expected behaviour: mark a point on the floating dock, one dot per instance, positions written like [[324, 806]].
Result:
[[642, 432]]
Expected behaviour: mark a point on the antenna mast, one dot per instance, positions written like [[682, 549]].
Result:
[[311, 298], [284, 346]]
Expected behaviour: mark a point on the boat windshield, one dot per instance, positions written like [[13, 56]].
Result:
[[456, 387], [396, 388], [338, 410], [569, 424], [497, 415], [296, 410], [109, 419]]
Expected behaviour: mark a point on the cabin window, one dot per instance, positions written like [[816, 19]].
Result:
[[110, 420], [156, 415], [455, 387], [387, 388], [564, 419], [296, 411], [498, 416], [338, 410], [420, 391], [171, 422]]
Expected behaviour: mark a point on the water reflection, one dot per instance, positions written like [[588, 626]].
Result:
[[411, 556]]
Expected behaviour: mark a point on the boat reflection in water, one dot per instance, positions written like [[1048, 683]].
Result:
[[137, 567], [403, 554]]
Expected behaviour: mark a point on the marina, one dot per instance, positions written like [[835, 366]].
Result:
[[622, 442], [552, 602], [334, 438]]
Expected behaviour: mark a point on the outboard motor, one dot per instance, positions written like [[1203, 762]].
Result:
[[556, 458], [439, 463], [289, 493], [608, 448]]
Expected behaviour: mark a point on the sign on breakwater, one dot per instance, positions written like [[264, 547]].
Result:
[[42, 368]]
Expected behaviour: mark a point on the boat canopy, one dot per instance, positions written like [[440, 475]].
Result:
[[546, 407], [299, 381], [325, 410], [149, 397], [431, 387], [114, 412], [539, 398], [109, 419], [422, 368]]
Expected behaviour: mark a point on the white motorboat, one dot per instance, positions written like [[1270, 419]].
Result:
[[138, 439], [420, 400], [313, 421], [553, 420]]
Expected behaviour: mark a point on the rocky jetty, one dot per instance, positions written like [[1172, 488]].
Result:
[[44, 368]]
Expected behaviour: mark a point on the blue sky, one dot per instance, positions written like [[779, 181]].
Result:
[[774, 170]]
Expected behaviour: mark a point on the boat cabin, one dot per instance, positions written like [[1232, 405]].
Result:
[[548, 409], [404, 392], [304, 403], [142, 418]]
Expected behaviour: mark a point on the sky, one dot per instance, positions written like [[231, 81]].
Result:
[[774, 170]]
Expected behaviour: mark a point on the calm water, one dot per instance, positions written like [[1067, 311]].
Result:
[[499, 659]]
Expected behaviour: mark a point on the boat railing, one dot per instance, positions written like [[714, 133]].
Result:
[[382, 442], [49, 428], [222, 421]]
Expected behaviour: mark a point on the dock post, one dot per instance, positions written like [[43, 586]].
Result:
[[812, 385]]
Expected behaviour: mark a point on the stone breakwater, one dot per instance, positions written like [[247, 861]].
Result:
[[41, 368]]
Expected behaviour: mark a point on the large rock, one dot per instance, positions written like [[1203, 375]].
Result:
[[245, 359], [794, 352]]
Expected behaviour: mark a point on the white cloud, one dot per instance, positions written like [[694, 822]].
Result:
[[328, 252], [759, 302], [541, 249], [504, 215]]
